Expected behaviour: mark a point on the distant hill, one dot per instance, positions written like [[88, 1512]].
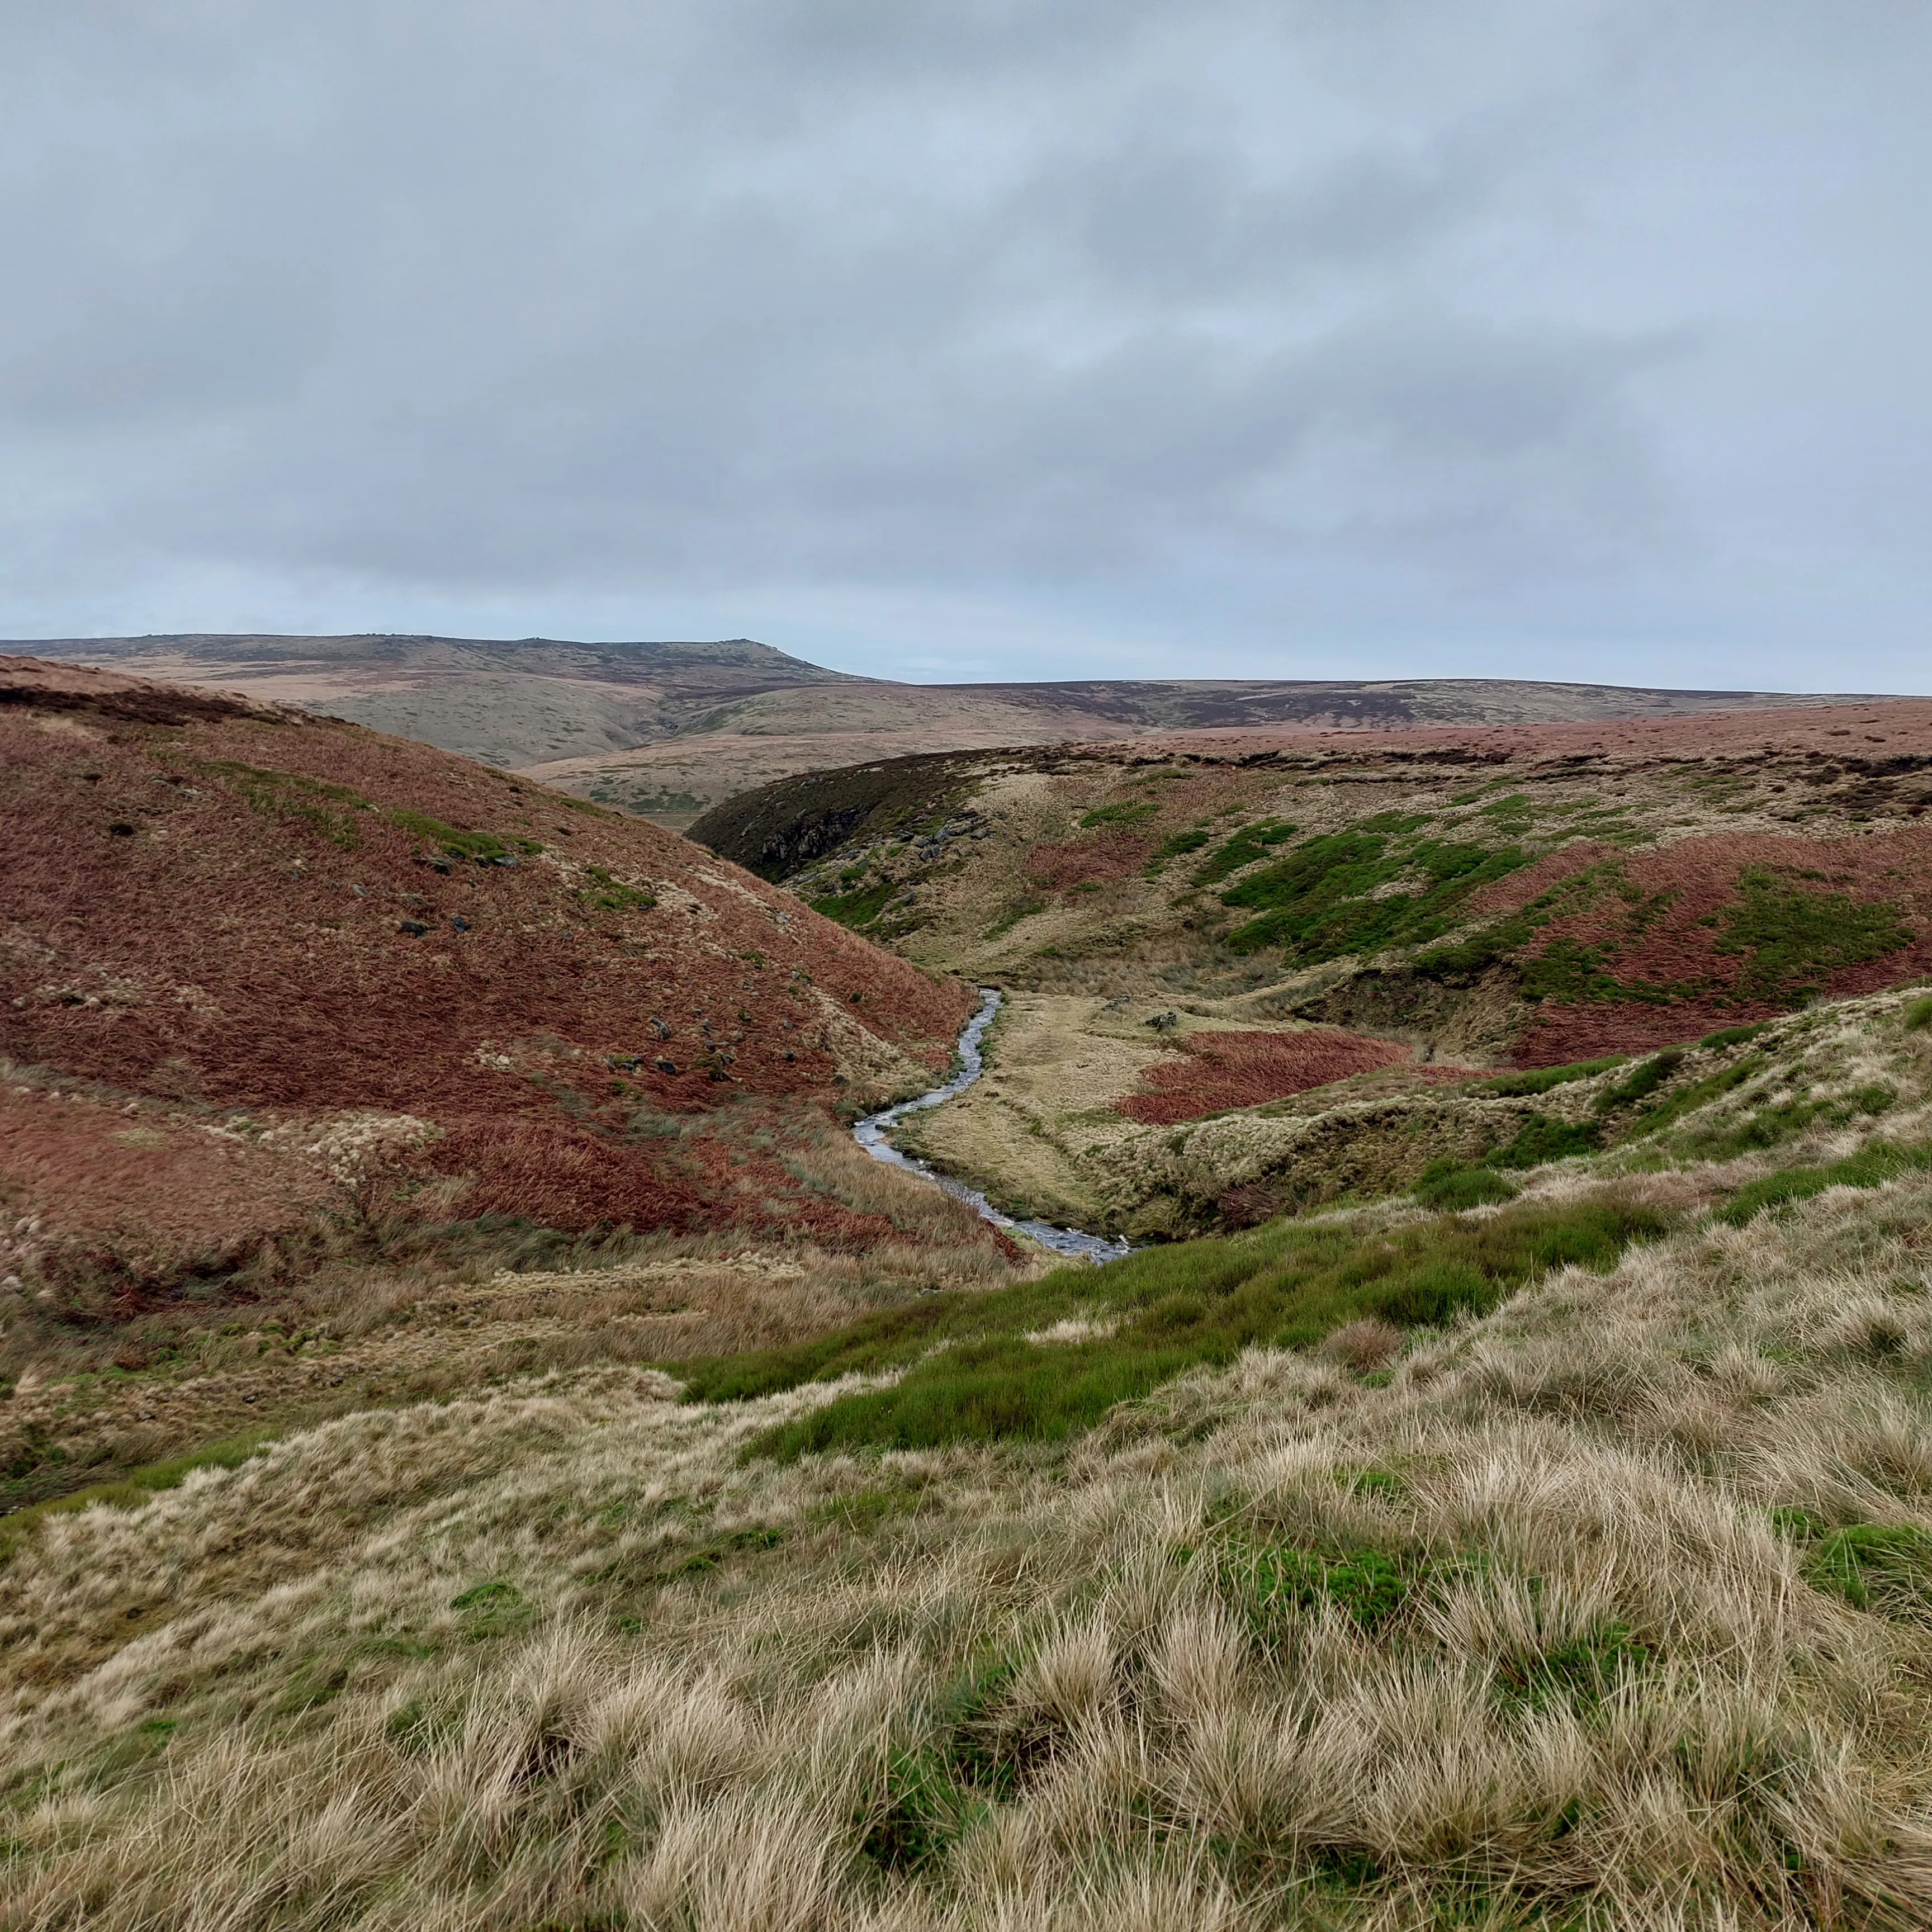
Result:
[[666, 730]]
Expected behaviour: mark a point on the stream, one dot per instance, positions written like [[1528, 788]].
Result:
[[871, 1133]]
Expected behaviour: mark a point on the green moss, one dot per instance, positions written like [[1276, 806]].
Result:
[[1792, 938]]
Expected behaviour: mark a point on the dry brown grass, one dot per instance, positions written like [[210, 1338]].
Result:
[[554, 1654]]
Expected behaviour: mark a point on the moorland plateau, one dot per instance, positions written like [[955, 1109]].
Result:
[[666, 731], [486, 1450]]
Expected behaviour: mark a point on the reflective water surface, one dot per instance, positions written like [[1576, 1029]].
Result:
[[870, 1133]]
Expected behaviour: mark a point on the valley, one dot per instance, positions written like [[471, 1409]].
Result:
[[483, 1446]]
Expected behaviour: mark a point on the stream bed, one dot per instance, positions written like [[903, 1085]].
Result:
[[871, 1133]]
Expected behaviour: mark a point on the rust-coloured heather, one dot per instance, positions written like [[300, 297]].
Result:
[[225, 905], [1245, 1070]]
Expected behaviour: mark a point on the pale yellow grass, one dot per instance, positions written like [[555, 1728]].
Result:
[[700, 1686]]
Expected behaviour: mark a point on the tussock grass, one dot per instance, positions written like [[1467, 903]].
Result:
[[1565, 1562], [1606, 1610]]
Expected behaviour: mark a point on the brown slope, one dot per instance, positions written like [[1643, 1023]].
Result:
[[232, 916]]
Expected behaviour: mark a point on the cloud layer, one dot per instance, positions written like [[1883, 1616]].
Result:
[[1324, 337]]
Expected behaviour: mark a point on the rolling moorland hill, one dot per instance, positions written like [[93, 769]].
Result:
[[1530, 1528], [269, 982], [1210, 924], [666, 731], [1549, 1544]]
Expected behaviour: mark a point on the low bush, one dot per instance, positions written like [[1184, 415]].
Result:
[[1541, 1079], [1450, 1186]]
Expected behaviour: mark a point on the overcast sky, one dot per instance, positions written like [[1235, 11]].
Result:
[[1016, 338]]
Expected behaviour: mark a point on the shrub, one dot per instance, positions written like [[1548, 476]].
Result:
[[1512, 1086], [1540, 1139], [1449, 1186]]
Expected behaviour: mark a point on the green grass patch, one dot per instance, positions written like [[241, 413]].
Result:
[[855, 909], [1541, 1079], [1793, 938], [1918, 1016], [137, 1487], [605, 894], [1190, 841], [1644, 1079], [1870, 1167], [1882, 1567], [1769, 1126], [1315, 903], [1736, 1036], [1134, 813], [969, 1374], [457, 841], [1251, 842], [327, 809], [1581, 1673], [1011, 916], [1540, 1139], [1274, 1585]]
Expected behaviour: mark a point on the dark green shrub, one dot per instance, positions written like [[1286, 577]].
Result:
[[1540, 1138], [1541, 1079], [1449, 1186]]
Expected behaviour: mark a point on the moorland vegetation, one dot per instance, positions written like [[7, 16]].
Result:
[[1501, 1498]]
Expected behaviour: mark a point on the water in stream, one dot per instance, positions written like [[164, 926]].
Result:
[[871, 1133]]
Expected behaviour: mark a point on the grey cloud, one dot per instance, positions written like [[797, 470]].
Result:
[[1324, 327]]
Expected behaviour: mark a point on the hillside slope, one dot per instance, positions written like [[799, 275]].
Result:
[[252, 961], [1208, 923], [667, 729], [1555, 1554]]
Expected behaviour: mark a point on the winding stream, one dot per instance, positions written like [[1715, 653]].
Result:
[[870, 1133]]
